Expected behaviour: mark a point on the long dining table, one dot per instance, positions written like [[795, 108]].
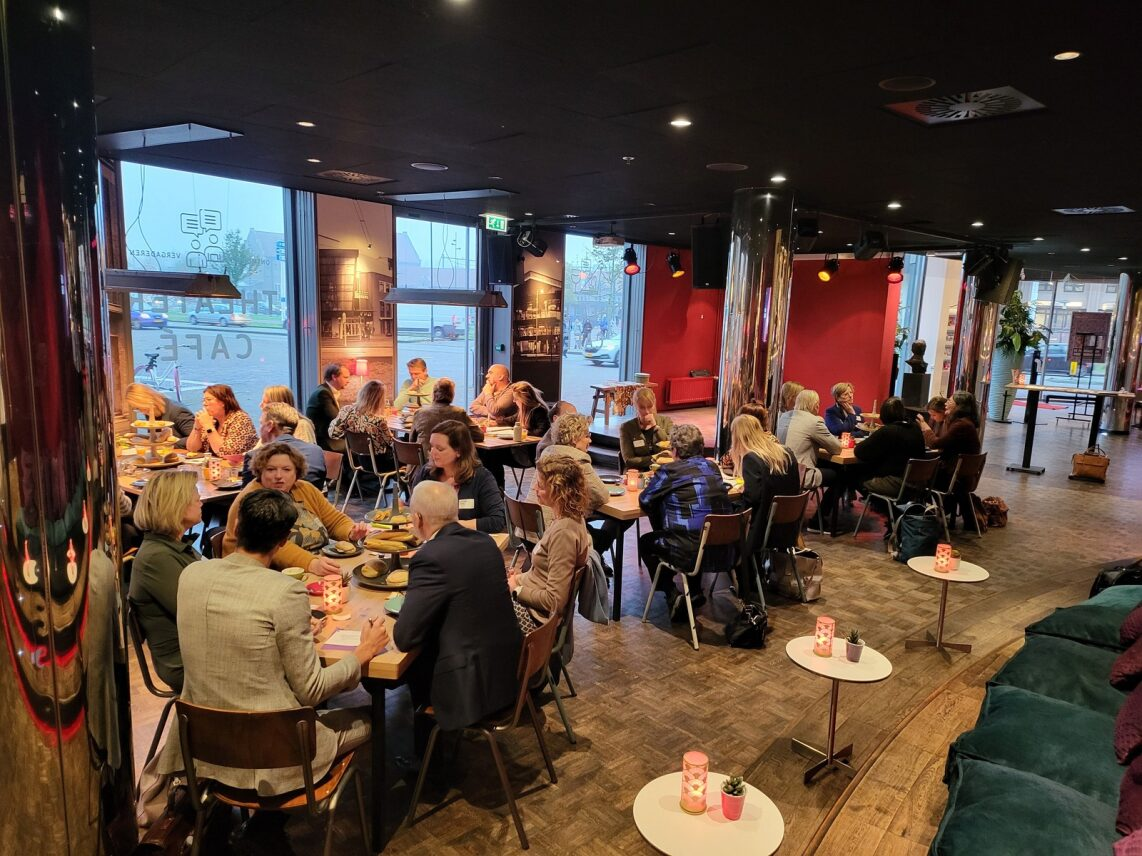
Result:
[[385, 671]]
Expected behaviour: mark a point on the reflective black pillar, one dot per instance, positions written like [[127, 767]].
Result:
[[64, 706], [972, 348]]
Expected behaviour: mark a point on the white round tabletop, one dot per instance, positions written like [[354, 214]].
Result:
[[965, 573], [873, 665], [669, 829]]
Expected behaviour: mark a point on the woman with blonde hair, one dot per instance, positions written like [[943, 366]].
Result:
[[534, 414], [365, 416], [544, 590], [168, 506], [844, 416], [146, 401], [304, 429]]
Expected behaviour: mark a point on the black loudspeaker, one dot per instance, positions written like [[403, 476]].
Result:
[[710, 246], [996, 285], [870, 245], [807, 227], [501, 253]]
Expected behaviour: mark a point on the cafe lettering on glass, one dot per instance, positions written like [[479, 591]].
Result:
[[168, 348]]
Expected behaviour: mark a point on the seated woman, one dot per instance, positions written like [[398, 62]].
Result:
[[452, 460], [844, 416], [544, 590], [278, 466], [304, 430], [147, 401], [936, 423], [639, 438], [365, 416], [222, 427], [168, 507], [960, 437], [768, 469], [440, 410], [887, 450], [572, 436], [534, 414]]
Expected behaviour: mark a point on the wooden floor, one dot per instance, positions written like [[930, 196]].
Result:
[[645, 697]]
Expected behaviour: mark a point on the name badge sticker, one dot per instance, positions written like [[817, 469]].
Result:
[[467, 504], [638, 441]]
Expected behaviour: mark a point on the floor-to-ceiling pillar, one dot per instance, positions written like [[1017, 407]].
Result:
[[973, 345], [759, 279], [64, 707], [1123, 370]]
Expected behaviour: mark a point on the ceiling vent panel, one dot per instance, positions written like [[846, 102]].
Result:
[[350, 177], [966, 106], [1100, 209]]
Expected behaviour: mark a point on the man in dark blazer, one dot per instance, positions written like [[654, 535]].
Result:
[[323, 406], [459, 612]]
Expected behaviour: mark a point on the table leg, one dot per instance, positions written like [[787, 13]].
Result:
[[377, 757], [830, 758], [617, 587], [1095, 422], [607, 400], [1029, 438], [938, 642]]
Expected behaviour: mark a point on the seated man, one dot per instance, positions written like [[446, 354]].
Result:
[[417, 389], [886, 451], [276, 426], [458, 611], [441, 410], [496, 401], [324, 405], [676, 501], [247, 644], [639, 437]]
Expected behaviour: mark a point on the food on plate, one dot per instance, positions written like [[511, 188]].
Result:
[[397, 578], [170, 458], [378, 515], [401, 535], [158, 423], [193, 455], [344, 546], [385, 545], [370, 572], [398, 519]]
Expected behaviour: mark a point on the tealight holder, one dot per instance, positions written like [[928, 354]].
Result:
[[331, 593], [846, 440], [695, 773], [214, 469], [632, 480], [954, 561], [943, 558], [823, 637]]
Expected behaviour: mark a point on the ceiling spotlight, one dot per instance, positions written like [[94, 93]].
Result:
[[428, 166], [1063, 56], [777, 179], [1085, 250], [1122, 258], [305, 123], [681, 122], [1036, 239], [631, 258], [528, 214], [829, 269], [528, 240], [674, 262], [895, 268], [313, 160], [894, 205], [977, 224]]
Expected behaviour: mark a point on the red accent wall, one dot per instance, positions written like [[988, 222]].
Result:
[[682, 326], [842, 329]]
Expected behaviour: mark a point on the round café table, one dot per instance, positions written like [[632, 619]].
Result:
[[670, 830], [965, 573], [873, 667]]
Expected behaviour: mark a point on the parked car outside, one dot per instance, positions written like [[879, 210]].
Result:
[[603, 354], [219, 314], [148, 319]]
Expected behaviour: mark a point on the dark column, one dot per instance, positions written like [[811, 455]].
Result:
[[758, 283], [1123, 370], [64, 706], [972, 348]]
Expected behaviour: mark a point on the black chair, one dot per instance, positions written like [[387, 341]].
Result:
[[916, 485], [525, 524], [409, 457], [211, 543], [787, 516], [964, 481], [566, 621], [363, 459]]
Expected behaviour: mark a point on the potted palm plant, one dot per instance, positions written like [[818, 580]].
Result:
[[1017, 332], [733, 797]]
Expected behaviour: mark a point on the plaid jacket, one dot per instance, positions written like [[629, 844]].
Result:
[[679, 497]]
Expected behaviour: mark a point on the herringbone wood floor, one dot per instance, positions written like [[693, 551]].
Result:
[[645, 697]]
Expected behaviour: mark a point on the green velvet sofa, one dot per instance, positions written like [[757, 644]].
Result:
[[1037, 774]]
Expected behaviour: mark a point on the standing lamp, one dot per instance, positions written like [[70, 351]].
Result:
[[695, 771], [823, 638]]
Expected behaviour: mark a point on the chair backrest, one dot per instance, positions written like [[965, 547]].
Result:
[[786, 511], [918, 475], [533, 656], [568, 614], [525, 519], [361, 446], [358, 443], [138, 637], [721, 530], [969, 469], [408, 454], [217, 535], [333, 461], [247, 740]]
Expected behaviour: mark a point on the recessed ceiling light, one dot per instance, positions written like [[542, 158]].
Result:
[[681, 122], [495, 178], [649, 204], [528, 213], [57, 13], [977, 224], [305, 123], [570, 216], [777, 179], [1085, 250], [628, 159], [672, 235], [726, 166], [313, 160], [849, 244], [428, 166], [894, 205], [1036, 239], [1063, 56], [1122, 258]]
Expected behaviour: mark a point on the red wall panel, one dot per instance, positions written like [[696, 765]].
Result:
[[843, 329]]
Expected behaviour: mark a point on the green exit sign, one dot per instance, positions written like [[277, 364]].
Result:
[[495, 222]]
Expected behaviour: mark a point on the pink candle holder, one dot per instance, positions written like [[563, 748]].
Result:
[[331, 593], [823, 637], [214, 468], [846, 440], [943, 558], [632, 480], [695, 773]]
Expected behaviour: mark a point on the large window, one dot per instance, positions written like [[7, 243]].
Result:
[[1056, 304], [184, 222], [442, 256], [593, 320]]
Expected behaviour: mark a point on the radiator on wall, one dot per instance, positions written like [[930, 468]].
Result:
[[691, 390]]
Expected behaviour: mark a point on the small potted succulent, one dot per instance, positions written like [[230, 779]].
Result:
[[733, 797], [854, 646]]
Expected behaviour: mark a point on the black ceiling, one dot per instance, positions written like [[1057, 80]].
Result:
[[550, 97]]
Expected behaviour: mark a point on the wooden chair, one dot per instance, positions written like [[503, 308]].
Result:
[[566, 619], [409, 457], [333, 462], [254, 740], [964, 481], [917, 484], [718, 530], [525, 524], [787, 515], [533, 658], [211, 543], [360, 450]]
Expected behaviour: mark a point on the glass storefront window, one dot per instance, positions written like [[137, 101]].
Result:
[[442, 256], [1055, 305], [184, 222], [593, 321]]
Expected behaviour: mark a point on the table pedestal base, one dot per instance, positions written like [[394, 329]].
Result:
[[839, 760], [1035, 471], [932, 642]]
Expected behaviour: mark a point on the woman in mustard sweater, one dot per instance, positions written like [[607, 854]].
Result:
[[277, 467]]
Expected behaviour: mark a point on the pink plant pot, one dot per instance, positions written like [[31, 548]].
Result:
[[732, 806]]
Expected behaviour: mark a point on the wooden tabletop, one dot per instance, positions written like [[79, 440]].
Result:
[[206, 490], [844, 458], [626, 507], [620, 384], [1072, 390], [397, 426]]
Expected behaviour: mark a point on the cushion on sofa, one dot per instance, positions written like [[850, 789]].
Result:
[[997, 809], [1131, 628], [1128, 727], [1057, 740], [1127, 669], [1066, 670], [1097, 621], [1130, 799], [1131, 845]]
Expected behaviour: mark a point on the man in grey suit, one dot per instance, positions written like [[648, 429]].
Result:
[[247, 644]]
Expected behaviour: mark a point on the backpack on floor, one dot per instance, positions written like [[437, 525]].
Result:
[[916, 532], [996, 510]]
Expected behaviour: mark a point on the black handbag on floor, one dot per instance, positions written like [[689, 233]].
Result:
[[916, 533], [747, 629], [1123, 572]]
